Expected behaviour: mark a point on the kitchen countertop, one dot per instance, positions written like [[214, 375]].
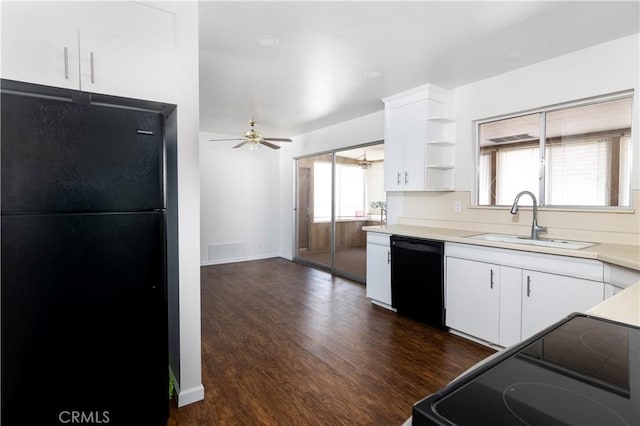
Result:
[[622, 307], [627, 256]]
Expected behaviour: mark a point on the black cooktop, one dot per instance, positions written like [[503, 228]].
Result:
[[582, 371]]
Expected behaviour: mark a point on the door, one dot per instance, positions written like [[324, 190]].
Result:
[[304, 207], [39, 45], [314, 210], [337, 194], [547, 298], [379, 270], [118, 65], [64, 156], [473, 298], [84, 311]]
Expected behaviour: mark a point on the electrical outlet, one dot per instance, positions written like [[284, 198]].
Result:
[[457, 207]]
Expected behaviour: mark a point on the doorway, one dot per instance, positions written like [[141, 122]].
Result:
[[337, 193]]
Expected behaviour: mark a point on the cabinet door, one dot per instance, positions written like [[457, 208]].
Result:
[[414, 146], [473, 298], [547, 298], [115, 65], [128, 49], [39, 45], [379, 273], [395, 132]]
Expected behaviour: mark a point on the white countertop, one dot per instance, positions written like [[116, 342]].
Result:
[[622, 307], [627, 256]]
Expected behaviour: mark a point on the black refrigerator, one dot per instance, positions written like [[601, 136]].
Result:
[[84, 311]]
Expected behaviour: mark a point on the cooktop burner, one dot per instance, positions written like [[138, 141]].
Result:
[[541, 403], [584, 371]]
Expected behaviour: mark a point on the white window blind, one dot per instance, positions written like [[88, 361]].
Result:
[[517, 170], [321, 191], [626, 152], [350, 190], [577, 173], [484, 178]]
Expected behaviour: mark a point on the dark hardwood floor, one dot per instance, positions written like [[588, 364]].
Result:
[[285, 344]]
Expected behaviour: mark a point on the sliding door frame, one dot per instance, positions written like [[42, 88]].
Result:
[[331, 267]]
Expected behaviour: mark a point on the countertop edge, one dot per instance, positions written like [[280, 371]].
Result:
[[604, 252]]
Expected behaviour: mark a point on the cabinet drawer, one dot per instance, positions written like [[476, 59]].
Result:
[[378, 239]]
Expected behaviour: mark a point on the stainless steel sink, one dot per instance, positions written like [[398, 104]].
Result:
[[515, 239]]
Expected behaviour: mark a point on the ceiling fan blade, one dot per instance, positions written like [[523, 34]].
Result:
[[240, 144], [270, 145], [218, 140], [278, 139]]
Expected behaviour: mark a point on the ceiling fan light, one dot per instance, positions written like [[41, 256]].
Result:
[[253, 145]]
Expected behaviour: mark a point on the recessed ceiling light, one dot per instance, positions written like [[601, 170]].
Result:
[[371, 74], [267, 41]]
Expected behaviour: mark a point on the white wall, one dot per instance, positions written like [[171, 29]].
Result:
[[248, 196], [597, 70], [188, 206], [239, 204]]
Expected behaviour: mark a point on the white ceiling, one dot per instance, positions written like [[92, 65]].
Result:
[[314, 77]]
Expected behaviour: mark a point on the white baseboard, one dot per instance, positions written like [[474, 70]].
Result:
[[189, 396], [238, 259], [383, 305]]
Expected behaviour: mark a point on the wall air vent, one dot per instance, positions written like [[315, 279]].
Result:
[[227, 251], [513, 138]]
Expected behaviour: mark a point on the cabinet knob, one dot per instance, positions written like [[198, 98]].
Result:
[[406, 178], [492, 278], [528, 286], [398, 180]]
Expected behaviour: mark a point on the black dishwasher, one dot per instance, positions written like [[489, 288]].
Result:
[[417, 279]]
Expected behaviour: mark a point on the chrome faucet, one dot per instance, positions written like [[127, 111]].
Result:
[[535, 228]]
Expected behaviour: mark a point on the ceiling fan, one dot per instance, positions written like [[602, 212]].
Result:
[[364, 164], [252, 139]]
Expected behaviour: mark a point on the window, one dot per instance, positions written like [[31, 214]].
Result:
[[577, 155]]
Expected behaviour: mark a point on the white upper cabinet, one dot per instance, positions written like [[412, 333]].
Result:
[[115, 48], [419, 141], [39, 44]]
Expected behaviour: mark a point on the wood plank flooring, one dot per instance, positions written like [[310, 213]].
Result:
[[285, 344]]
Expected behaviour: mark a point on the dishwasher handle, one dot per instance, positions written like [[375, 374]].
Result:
[[425, 248]]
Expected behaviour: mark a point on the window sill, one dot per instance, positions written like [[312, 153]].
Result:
[[614, 210]]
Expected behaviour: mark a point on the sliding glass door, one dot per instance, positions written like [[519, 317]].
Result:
[[314, 209], [337, 194]]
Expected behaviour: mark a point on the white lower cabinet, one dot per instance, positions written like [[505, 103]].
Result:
[[546, 298], [379, 269], [503, 296], [473, 298]]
